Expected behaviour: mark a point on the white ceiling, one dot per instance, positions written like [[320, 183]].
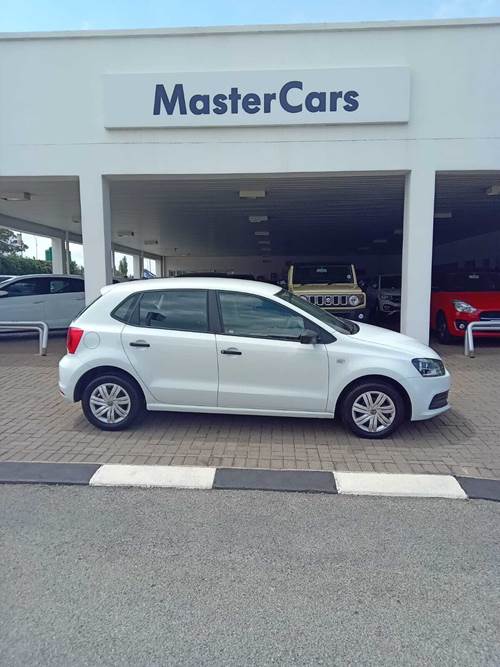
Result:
[[329, 214]]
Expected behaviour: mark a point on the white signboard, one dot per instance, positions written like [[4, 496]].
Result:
[[229, 98]]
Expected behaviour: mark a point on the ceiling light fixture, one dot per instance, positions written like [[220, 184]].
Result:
[[263, 242], [398, 231], [151, 242], [261, 233], [443, 215], [379, 240], [15, 196], [252, 194], [122, 234], [493, 190], [258, 218]]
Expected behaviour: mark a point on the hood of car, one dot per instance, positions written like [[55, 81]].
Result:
[[480, 300], [392, 340]]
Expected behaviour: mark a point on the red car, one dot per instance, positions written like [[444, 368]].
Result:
[[462, 297]]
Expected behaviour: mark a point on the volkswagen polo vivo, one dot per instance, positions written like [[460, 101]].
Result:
[[236, 346]]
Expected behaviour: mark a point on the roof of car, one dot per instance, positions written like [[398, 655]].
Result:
[[227, 284], [46, 275]]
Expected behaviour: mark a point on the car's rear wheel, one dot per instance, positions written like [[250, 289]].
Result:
[[112, 402], [373, 409], [443, 333]]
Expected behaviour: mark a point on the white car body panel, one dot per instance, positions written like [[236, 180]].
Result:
[[272, 375], [180, 367], [187, 371]]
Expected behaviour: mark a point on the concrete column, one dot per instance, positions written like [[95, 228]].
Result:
[[96, 233], [136, 268], [418, 231], [58, 255]]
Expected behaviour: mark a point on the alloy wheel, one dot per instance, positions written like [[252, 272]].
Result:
[[110, 403], [373, 411]]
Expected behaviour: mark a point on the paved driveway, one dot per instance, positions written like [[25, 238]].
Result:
[[35, 425]]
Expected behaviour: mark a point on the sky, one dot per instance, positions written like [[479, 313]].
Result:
[[33, 15]]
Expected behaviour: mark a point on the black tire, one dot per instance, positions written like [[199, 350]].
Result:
[[443, 333], [395, 399], [128, 389]]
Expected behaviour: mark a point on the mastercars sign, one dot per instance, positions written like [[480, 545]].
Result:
[[282, 97]]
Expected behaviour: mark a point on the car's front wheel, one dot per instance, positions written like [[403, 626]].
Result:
[[373, 409], [112, 402]]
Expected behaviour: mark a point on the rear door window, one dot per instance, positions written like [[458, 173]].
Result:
[[178, 310]]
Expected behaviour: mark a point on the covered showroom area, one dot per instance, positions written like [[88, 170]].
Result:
[[257, 226]]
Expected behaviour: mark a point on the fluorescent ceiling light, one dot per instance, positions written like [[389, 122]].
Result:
[[15, 196], [258, 218], [151, 242], [121, 234], [263, 242], [252, 194], [266, 249], [398, 231], [379, 240], [443, 215], [261, 233], [493, 190]]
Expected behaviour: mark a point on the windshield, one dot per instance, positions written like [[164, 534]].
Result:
[[338, 323], [390, 282], [469, 282], [315, 274]]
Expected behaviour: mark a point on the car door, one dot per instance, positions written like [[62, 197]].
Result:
[[262, 364], [24, 300], [65, 300], [167, 341]]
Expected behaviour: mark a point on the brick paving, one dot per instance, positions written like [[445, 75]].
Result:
[[35, 425]]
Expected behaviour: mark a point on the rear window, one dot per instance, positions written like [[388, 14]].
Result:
[[314, 274], [471, 281], [124, 311]]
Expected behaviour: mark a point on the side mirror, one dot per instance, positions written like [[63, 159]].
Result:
[[308, 337], [3, 293]]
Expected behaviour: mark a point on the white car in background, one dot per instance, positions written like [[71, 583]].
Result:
[[222, 345], [54, 299], [384, 295]]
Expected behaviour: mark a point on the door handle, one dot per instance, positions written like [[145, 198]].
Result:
[[139, 343], [230, 350]]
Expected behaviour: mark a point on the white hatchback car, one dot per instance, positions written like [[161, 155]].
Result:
[[45, 297], [236, 346]]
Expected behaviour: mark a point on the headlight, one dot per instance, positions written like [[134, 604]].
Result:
[[354, 300], [463, 307], [429, 367]]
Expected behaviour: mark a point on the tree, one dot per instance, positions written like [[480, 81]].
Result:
[[75, 269], [9, 243], [123, 267]]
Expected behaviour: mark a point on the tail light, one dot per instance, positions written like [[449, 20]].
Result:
[[73, 339]]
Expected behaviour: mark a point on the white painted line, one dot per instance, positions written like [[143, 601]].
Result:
[[180, 477], [383, 484]]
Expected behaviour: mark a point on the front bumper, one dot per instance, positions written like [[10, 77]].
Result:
[[458, 326], [424, 392], [356, 314]]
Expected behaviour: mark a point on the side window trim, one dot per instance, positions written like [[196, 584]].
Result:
[[326, 337]]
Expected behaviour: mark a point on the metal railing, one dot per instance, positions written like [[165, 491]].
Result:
[[41, 327], [483, 325]]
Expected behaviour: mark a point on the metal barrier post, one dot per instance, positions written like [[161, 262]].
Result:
[[41, 327], [482, 325]]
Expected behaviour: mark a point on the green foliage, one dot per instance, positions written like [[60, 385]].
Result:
[[9, 244], [18, 266], [123, 267]]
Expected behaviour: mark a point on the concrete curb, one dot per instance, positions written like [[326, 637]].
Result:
[[305, 481]]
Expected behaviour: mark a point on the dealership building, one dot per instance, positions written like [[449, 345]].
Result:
[[245, 149]]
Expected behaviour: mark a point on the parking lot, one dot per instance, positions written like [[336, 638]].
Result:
[[36, 425]]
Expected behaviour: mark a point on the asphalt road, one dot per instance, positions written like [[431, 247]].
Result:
[[94, 576]]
